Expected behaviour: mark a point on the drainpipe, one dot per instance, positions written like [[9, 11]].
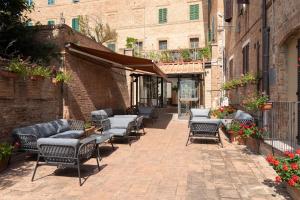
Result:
[[265, 49], [265, 61]]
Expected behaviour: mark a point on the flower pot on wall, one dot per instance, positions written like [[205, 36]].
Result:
[[266, 106], [37, 77], [253, 144], [293, 191], [3, 164], [232, 137], [8, 74], [241, 141]]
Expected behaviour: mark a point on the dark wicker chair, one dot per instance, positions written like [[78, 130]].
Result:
[[66, 153], [206, 128], [139, 125]]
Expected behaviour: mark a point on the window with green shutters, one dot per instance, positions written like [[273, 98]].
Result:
[[194, 12], [162, 15], [51, 22], [51, 2], [75, 24]]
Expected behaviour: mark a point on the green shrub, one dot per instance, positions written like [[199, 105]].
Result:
[[5, 151], [18, 66], [40, 71], [63, 77]]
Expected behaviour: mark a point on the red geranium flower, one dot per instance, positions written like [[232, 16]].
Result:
[[222, 109], [295, 178], [297, 151], [285, 167], [291, 155], [270, 158], [275, 162], [278, 179], [291, 182], [294, 166], [286, 153]]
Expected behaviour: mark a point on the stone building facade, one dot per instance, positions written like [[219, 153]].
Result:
[[158, 26], [245, 29]]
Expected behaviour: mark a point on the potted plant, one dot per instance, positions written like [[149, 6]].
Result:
[[88, 128], [288, 170], [185, 55], [253, 136], [249, 78], [255, 103], [39, 72], [61, 77], [233, 131], [5, 153], [15, 67]]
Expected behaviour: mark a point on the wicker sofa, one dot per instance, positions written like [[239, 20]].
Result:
[[62, 128]]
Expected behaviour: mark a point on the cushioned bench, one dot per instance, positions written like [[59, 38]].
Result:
[[27, 136]]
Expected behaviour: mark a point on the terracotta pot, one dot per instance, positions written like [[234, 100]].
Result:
[[241, 141], [294, 192], [3, 164], [56, 82], [266, 106], [37, 77], [232, 136], [8, 74], [253, 144], [89, 131]]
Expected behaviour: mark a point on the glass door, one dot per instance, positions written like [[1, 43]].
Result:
[[188, 96]]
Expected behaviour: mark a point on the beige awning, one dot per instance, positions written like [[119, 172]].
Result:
[[182, 68], [118, 60]]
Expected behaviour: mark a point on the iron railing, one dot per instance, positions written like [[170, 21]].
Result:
[[283, 126], [170, 56]]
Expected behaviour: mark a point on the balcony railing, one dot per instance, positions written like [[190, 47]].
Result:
[[179, 55]]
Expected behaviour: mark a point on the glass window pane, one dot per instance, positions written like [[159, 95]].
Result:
[[194, 43], [163, 45]]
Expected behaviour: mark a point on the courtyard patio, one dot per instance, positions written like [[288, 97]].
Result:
[[156, 166]]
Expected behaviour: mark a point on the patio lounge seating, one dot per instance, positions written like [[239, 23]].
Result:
[[139, 125], [61, 128], [62, 152], [118, 127], [98, 115], [204, 128], [146, 112]]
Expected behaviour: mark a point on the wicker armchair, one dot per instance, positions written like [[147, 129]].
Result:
[[66, 153], [118, 127], [205, 128]]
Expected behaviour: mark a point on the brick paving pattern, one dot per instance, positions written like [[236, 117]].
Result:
[[157, 166]]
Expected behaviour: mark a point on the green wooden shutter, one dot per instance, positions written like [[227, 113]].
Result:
[[162, 15], [194, 12], [75, 24], [51, 22]]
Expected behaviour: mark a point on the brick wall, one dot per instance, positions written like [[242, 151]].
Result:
[[25, 102], [93, 86]]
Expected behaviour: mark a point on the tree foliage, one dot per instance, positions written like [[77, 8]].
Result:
[[16, 37], [99, 32]]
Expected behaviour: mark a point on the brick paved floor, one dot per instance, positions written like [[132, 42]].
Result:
[[157, 166]]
